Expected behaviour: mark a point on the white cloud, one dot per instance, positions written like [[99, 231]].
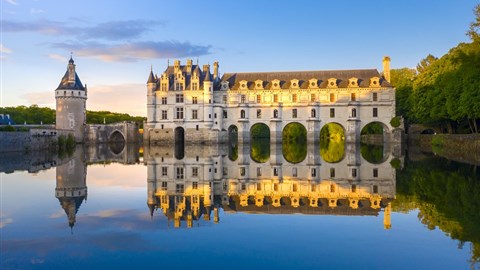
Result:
[[123, 98], [34, 11], [4, 49], [13, 2], [4, 221], [58, 57], [42, 99]]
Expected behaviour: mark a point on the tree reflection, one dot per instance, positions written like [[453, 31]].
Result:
[[260, 143], [372, 153], [294, 142], [332, 143]]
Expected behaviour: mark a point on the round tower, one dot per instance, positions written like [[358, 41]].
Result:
[[71, 99]]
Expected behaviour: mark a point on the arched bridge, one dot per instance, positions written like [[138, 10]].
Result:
[[123, 132]]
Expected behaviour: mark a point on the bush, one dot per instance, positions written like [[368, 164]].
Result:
[[7, 128], [70, 142], [396, 163], [395, 122]]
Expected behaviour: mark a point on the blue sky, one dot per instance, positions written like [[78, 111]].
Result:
[[115, 43]]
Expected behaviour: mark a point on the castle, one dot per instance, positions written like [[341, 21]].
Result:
[[190, 103]]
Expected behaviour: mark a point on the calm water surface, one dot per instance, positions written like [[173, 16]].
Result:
[[236, 207]]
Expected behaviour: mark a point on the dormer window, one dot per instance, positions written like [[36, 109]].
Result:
[[332, 83], [276, 84], [353, 82], [375, 82], [312, 83], [179, 86], [225, 85], [294, 83], [243, 85], [259, 84]]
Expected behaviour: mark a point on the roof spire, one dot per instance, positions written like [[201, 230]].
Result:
[[71, 58]]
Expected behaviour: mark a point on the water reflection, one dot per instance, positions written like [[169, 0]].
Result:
[[206, 180], [332, 143]]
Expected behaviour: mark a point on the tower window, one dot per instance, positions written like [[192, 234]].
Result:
[[332, 172]]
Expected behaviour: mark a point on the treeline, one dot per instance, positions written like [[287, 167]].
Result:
[[34, 115], [443, 92]]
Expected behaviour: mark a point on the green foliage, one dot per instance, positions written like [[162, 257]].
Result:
[[332, 143], [61, 142], [425, 63], [260, 149], [373, 128], [7, 128], [70, 142], [294, 132], [395, 122], [260, 131], [294, 142], [474, 30], [438, 140], [372, 153], [396, 163], [447, 195], [35, 115]]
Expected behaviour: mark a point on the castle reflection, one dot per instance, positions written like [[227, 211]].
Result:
[[206, 179]]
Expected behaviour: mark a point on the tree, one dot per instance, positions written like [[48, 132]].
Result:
[[425, 63], [474, 29]]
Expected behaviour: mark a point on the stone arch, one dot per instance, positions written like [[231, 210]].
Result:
[[294, 142], [116, 137], [377, 128], [179, 143], [260, 143], [179, 135], [332, 142], [375, 137]]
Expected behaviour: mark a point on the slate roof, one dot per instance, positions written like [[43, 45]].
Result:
[[322, 76], [65, 85], [170, 71]]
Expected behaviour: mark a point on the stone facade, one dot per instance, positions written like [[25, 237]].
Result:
[[187, 99]]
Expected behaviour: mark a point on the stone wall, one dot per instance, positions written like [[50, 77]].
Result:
[[459, 147], [95, 133], [32, 140]]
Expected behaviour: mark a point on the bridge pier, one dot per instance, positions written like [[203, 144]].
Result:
[[352, 132]]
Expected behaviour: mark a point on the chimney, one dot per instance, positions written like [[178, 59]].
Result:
[[205, 68], [176, 65], [215, 70], [189, 66], [386, 68]]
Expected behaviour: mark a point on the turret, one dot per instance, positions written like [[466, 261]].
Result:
[[189, 66], [176, 66], [71, 97], [215, 70], [386, 68]]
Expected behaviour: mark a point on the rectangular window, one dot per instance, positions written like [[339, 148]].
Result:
[[164, 115], [259, 98], [313, 97], [195, 86], [275, 98], [259, 113], [275, 171], [294, 113], [225, 116], [179, 188], [195, 171], [354, 172], [375, 172], [243, 99], [375, 112], [164, 185], [224, 98], [375, 96], [332, 172], [242, 171], [194, 100], [332, 97], [195, 185], [215, 115], [225, 171], [353, 97], [259, 171], [294, 97], [332, 112], [164, 100], [194, 114], [294, 172], [164, 87], [196, 127], [179, 86], [179, 113], [179, 98], [164, 171], [179, 173], [314, 172]]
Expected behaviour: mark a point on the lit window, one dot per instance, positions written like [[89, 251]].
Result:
[[332, 97], [353, 97], [259, 98], [275, 98], [294, 97], [313, 98]]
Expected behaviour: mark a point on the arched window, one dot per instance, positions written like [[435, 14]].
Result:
[[354, 112], [314, 113], [242, 114], [275, 113]]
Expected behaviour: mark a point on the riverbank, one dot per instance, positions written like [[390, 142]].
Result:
[[463, 148]]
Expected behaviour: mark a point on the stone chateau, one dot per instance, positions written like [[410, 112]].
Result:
[[189, 102]]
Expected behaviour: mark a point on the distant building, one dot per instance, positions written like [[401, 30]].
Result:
[[6, 120], [187, 102]]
